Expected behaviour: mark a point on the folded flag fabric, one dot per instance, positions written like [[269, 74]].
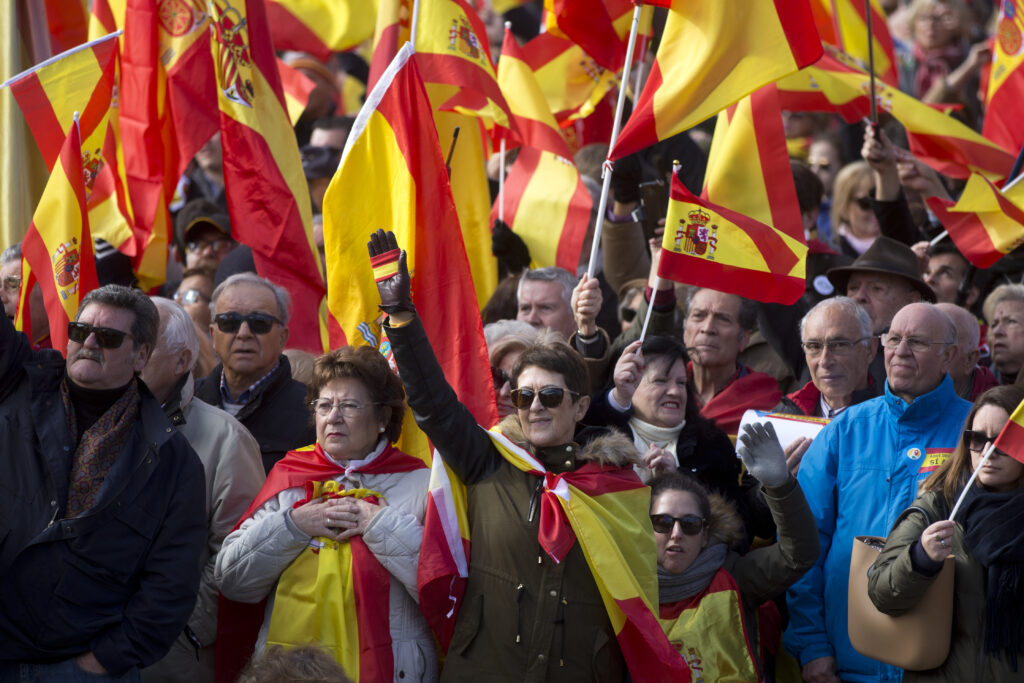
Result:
[[320, 27], [985, 223], [1011, 437], [1003, 123]]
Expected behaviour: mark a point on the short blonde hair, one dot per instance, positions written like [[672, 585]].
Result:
[[849, 179]]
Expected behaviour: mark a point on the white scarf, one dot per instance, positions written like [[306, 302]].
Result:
[[645, 434]]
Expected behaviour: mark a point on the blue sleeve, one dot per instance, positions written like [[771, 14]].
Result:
[[805, 637]]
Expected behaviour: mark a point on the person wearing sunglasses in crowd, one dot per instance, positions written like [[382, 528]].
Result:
[[353, 495], [102, 501], [706, 589], [532, 608], [986, 540], [254, 381], [506, 341], [194, 293]]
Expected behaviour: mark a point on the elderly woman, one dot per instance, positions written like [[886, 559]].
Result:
[[333, 537], [987, 542], [506, 341], [706, 589], [539, 589]]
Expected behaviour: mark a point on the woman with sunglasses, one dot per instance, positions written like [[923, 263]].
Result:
[[533, 607], [333, 537], [856, 225], [986, 540], [714, 601]]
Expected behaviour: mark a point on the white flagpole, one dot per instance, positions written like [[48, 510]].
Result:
[[970, 482], [606, 169], [938, 238], [62, 55]]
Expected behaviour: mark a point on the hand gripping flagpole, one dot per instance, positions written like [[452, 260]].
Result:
[[606, 168], [970, 482]]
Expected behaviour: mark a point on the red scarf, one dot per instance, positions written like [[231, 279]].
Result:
[[753, 390]]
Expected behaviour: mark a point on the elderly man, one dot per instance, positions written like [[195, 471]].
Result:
[[969, 379], [234, 475], [861, 472], [1004, 311], [10, 279], [544, 299], [254, 379], [102, 508], [718, 327]]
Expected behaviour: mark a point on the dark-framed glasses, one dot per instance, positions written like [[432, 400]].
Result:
[[550, 397], [190, 296], [691, 525], [499, 377], [259, 323], [324, 406], [106, 337], [863, 202], [893, 341], [12, 283], [977, 441], [837, 347], [196, 246]]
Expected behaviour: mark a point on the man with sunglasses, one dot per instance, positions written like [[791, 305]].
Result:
[[860, 472], [102, 505], [253, 381]]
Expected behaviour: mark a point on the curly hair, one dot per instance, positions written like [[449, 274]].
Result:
[[366, 365]]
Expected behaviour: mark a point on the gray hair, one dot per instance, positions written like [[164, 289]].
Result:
[[517, 329], [1010, 292], [281, 296], [177, 331], [551, 274], [11, 253], [846, 306], [147, 320], [747, 316]]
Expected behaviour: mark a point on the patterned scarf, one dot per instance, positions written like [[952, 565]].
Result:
[[98, 447]]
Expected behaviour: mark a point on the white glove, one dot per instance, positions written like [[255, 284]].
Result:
[[762, 454]]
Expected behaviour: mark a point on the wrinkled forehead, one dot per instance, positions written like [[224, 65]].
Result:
[[247, 297], [718, 303], [832, 323]]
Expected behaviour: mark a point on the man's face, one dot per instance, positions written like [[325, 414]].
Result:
[[541, 304], [912, 373], [945, 273], [824, 161], [243, 353], [93, 367], [837, 372], [712, 332], [881, 295], [10, 287], [1006, 337], [194, 296], [164, 368], [206, 246]]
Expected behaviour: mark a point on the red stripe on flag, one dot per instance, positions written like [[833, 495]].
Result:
[[574, 231], [1004, 124], [645, 647], [39, 115], [438, 583], [967, 232], [955, 157], [1011, 439], [798, 25], [371, 583], [463, 73], [775, 166], [642, 120], [753, 284], [288, 32]]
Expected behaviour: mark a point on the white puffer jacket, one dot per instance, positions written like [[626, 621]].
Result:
[[255, 555]]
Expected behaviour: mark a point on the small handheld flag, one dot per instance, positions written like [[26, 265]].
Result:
[[1010, 441]]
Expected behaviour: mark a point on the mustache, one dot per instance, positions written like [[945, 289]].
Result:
[[87, 354]]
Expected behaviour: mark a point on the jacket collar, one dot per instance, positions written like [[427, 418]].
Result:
[[209, 390], [933, 403]]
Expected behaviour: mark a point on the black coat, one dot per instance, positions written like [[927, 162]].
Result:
[[277, 415], [119, 580]]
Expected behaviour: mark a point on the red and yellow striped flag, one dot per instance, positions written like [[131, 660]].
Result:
[[392, 176], [1011, 437], [985, 223], [601, 28], [711, 246], [267, 194], [392, 30], [572, 82], [297, 86], [58, 246], [708, 59], [106, 16], [1003, 122], [320, 27], [843, 24], [68, 23]]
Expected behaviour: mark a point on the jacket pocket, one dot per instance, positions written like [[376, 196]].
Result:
[[118, 547], [470, 620]]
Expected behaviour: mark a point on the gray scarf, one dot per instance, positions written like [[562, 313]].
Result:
[[696, 577]]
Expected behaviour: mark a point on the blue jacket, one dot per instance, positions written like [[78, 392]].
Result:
[[861, 471]]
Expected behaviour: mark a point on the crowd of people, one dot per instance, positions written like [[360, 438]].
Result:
[[185, 498]]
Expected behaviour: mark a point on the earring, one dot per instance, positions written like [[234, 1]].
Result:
[[381, 430]]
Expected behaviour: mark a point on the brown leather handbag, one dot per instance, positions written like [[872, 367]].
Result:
[[916, 640]]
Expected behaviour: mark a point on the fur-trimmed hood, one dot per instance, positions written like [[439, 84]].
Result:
[[611, 448], [725, 525]]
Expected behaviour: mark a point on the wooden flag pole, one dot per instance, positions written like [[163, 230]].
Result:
[[606, 168], [871, 63]]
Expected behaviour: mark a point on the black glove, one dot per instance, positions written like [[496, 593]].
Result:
[[509, 248], [627, 174], [391, 272]]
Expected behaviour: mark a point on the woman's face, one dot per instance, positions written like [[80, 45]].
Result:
[[1001, 472], [859, 217], [549, 426], [676, 550], [660, 398], [503, 393], [354, 425], [935, 26]]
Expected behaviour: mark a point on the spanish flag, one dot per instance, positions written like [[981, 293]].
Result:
[[1011, 437], [843, 24], [985, 223], [267, 194], [391, 32], [106, 16], [711, 246], [68, 23], [600, 27], [603, 508], [708, 59], [297, 87], [58, 246], [573, 83], [1003, 123], [320, 27]]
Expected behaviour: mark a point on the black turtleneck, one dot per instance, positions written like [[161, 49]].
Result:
[[90, 404]]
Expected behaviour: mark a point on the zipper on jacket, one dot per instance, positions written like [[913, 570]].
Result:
[[519, 612], [533, 501], [560, 620]]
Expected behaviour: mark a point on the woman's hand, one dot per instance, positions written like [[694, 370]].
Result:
[[658, 460], [937, 540], [629, 370], [586, 304], [334, 518]]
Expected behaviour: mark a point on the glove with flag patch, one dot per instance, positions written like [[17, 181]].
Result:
[[390, 272]]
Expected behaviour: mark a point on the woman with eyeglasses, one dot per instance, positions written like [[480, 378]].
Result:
[[854, 223], [332, 540], [987, 541], [715, 603], [554, 530]]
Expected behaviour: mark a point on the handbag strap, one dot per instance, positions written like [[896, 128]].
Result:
[[903, 515]]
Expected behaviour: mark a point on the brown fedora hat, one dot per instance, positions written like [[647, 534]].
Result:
[[885, 255]]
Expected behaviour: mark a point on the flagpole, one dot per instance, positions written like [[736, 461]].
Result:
[[938, 238], [414, 22], [970, 482], [62, 55], [871, 64], [657, 278], [501, 182], [606, 168]]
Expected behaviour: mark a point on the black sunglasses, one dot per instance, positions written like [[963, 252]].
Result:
[[690, 524], [976, 441], [550, 397], [499, 377], [259, 323], [106, 337], [863, 202]]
